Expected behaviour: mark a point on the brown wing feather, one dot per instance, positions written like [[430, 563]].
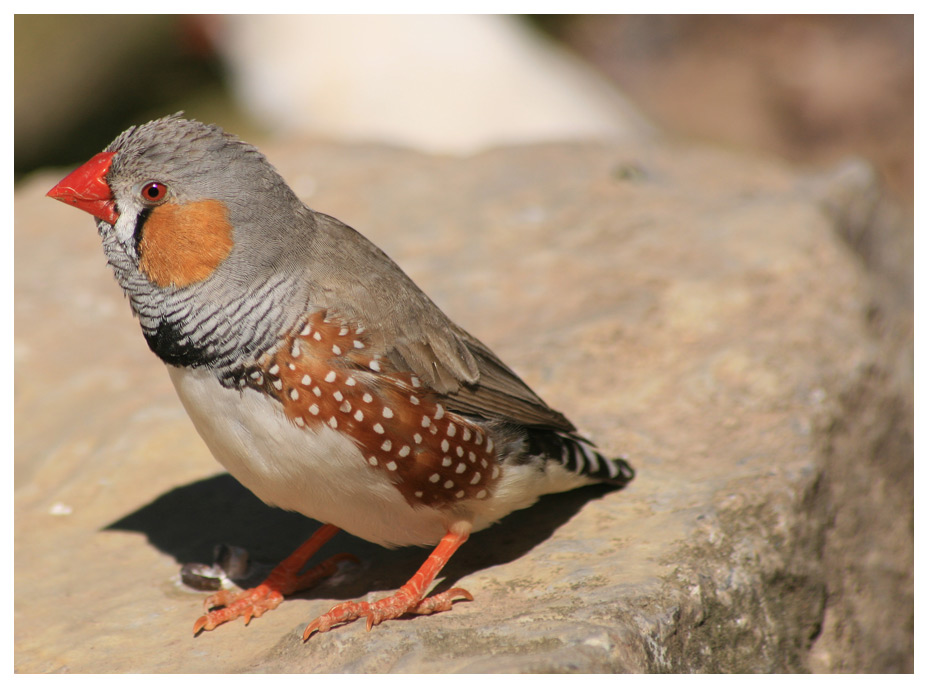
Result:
[[503, 394]]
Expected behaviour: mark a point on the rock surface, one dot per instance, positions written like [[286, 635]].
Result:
[[695, 310]]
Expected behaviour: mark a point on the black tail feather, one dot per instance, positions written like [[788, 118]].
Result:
[[579, 455]]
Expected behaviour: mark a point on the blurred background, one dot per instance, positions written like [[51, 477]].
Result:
[[809, 89]]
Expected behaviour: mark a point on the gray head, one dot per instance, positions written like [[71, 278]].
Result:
[[190, 162], [201, 233]]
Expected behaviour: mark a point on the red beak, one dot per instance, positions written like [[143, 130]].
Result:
[[86, 188]]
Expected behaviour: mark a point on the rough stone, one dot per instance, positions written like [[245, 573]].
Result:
[[693, 309]]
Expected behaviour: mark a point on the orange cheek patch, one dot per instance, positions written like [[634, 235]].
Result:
[[184, 244]]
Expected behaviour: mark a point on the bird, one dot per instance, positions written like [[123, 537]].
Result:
[[315, 370]]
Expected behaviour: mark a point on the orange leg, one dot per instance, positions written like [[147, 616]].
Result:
[[285, 579], [409, 599]]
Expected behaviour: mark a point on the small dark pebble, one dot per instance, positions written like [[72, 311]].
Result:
[[228, 562], [201, 576]]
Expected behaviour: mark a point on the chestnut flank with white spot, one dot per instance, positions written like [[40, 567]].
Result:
[[421, 467]]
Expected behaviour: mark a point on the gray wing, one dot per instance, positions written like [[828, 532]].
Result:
[[414, 334], [496, 391]]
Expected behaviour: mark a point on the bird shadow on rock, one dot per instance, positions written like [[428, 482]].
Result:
[[188, 522]]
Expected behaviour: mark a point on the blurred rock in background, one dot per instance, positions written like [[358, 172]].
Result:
[[810, 88], [444, 84], [440, 83]]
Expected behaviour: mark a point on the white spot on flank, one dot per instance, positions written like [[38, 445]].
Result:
[[489, 444], [439, 411], [336, 350], [358, 344], [426, 421], [358, 416], [255, 375], [338, 396], [342, 332], [418, 494], [471, 456], [274, 369], [317, 391], [375, 366], [404, 450], [475, 479], [444, 445], [306, 381], [372, 460], [449, 484], [446, 461], [278, 385], [460, 468], [291, 366], [314, 410], [330, 376], [345, 407], [479, 438], [452, 430], [459, 494], [387, 412], [413, 400], [391, 466], [294, 394], [306, 330], [483, 462], [367, 398], [495, 472], [387, 445], [295, 349], [465, 435], [378, 428], [459, 451], [417, 438], [434, 478], [333, 422], [415, 381], [317, 336], [299, 421], [481, 494], [359, 330], [350, 381]]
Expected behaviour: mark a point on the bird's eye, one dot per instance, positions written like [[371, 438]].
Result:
[[154, 192]]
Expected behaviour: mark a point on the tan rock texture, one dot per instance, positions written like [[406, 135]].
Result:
[[699, 311]]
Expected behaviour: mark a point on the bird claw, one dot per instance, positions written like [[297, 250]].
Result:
[[441, 602], [392, 607], [226, 605]]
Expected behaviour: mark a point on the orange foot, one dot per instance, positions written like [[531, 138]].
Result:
[[410, 599], [285, 579]]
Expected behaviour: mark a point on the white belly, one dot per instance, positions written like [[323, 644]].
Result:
[[321, 474], [316, 472]]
